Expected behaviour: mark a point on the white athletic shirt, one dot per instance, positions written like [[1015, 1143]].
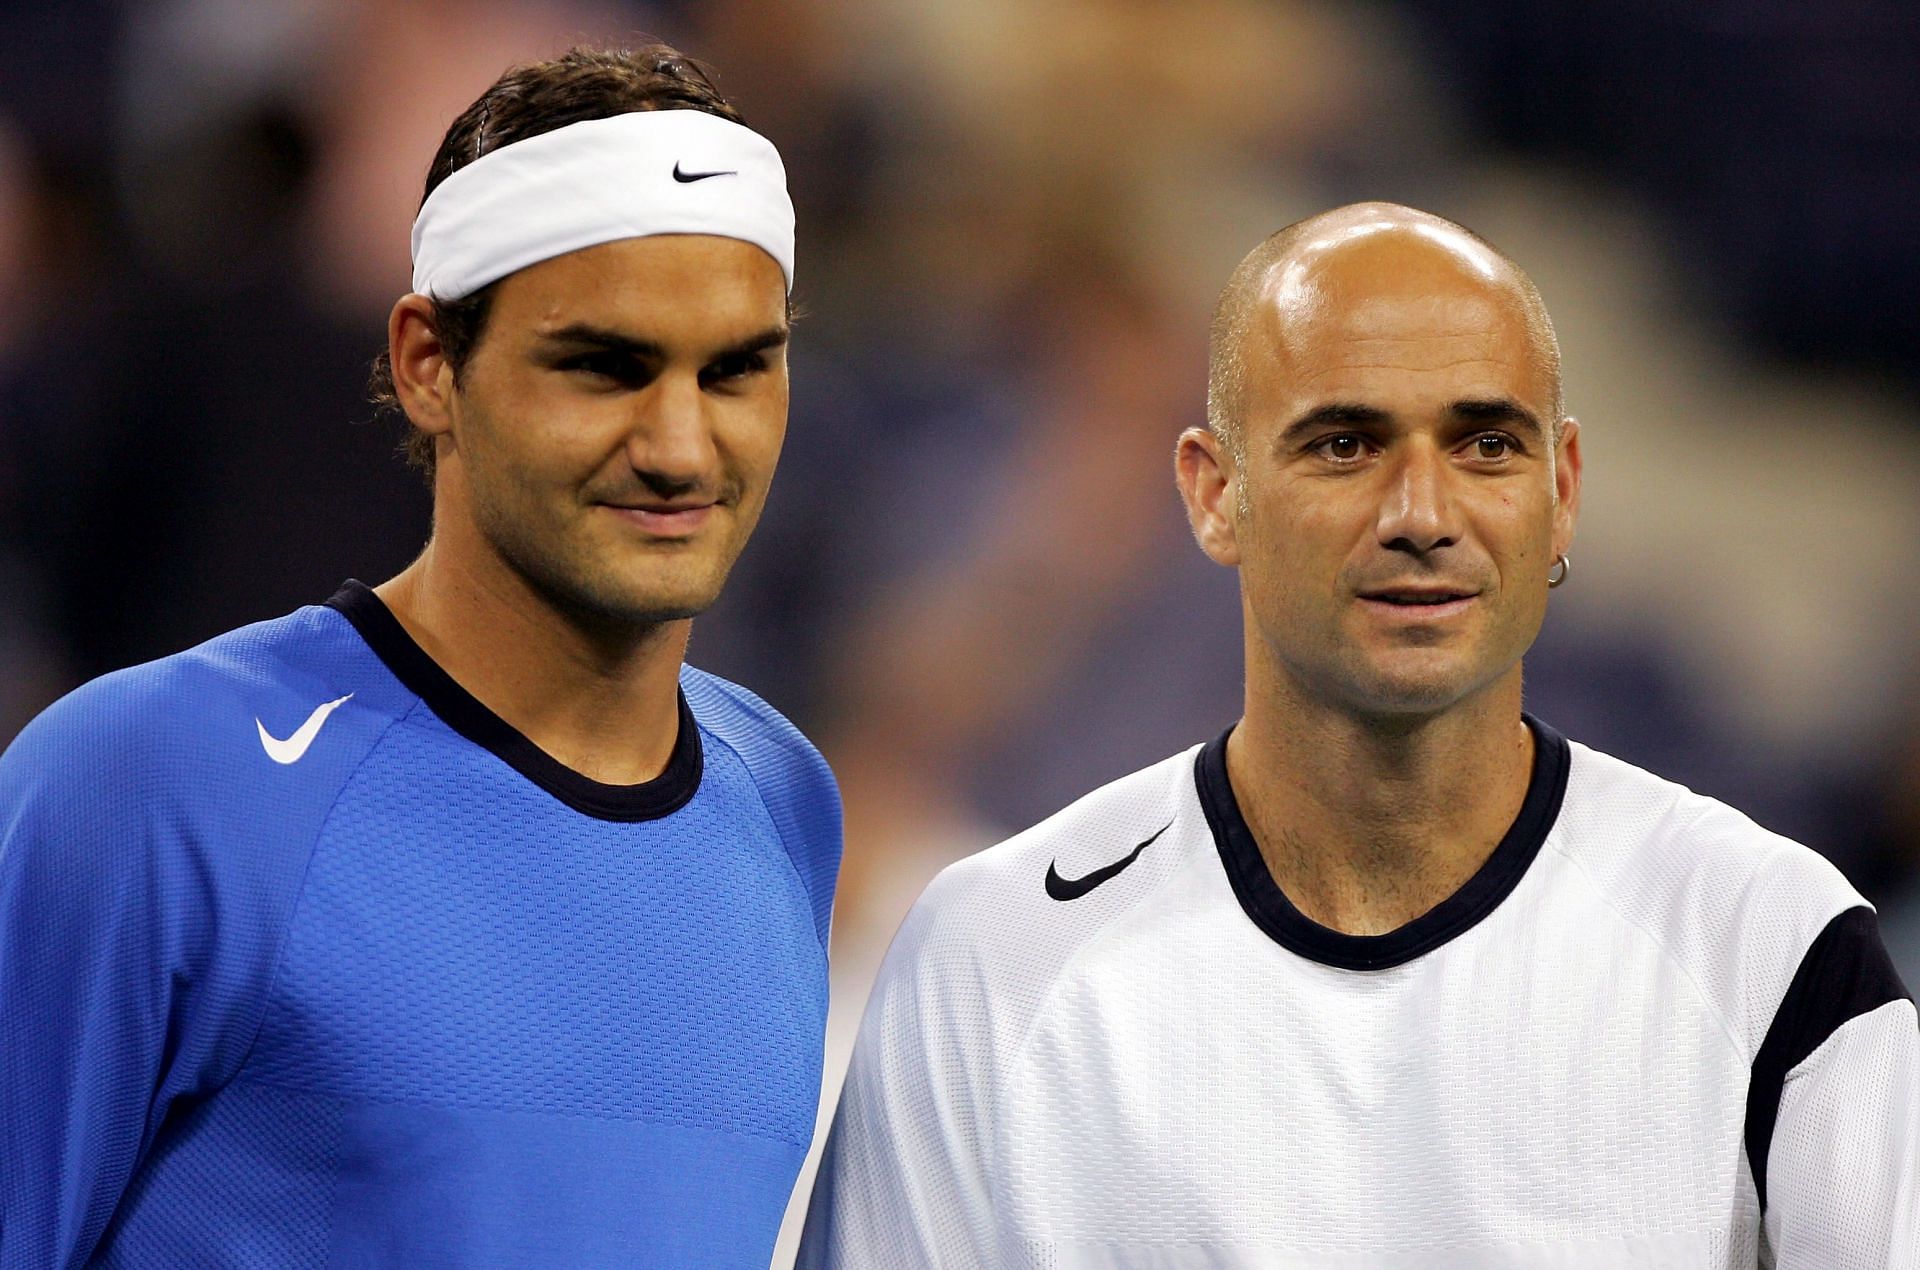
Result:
[[1648, 1033]]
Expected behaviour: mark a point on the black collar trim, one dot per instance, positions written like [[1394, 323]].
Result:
[[1275, 914], [467, 715]]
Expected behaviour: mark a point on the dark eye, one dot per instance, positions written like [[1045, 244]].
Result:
[[615, 366], [1492, 446], [1343, 448], [734, 366]]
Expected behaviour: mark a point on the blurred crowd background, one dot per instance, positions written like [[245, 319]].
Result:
[[974, 585]]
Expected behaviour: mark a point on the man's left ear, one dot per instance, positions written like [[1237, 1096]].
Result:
[[1566, 484]]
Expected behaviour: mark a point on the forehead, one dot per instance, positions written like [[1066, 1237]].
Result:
[[1398, 325], [668, 287]]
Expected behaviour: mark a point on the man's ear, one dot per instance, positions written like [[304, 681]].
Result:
[[1206, 476], [1566, 485], [422, 377]]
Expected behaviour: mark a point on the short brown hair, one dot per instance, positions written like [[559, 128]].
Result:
[[580, 84]]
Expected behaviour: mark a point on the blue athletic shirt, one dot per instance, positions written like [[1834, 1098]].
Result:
[[308, 958]]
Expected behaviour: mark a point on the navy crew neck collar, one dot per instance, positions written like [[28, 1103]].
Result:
[[471, 718], [1274, 913]]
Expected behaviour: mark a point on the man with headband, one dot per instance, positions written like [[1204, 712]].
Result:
[[455, 921]]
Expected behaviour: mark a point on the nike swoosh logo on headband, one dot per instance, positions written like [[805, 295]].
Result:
[[687, 178]]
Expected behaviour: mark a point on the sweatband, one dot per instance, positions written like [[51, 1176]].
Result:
[[629, 176]]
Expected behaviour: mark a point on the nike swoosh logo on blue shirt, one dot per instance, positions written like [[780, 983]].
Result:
[[295, 746]]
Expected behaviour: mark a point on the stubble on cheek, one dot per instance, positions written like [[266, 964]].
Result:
[[532, 537]]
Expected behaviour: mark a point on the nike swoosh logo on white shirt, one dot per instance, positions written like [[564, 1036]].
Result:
[[291, 749]]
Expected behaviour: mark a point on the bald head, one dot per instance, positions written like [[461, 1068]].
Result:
[[1345, 257]]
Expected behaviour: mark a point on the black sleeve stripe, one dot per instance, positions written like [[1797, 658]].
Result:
[[1846, 973]]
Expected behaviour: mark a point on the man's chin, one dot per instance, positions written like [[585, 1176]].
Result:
[[651, 608], [1414, 687], [612, 602]]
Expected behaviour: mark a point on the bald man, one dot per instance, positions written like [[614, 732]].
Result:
[[1389, 974]]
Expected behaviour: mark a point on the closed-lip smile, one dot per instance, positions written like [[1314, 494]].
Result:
[[1411, 595], [1418, 601], [665, 518]]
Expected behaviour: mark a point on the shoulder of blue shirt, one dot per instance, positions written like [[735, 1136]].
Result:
[[178, 745], [793, 779]]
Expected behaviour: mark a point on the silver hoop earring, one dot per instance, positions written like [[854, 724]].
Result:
[[1565, 566]]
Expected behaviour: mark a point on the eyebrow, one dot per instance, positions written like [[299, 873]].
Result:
[[1498, 410], [1483, 411], [1332, 415], [582, 334]]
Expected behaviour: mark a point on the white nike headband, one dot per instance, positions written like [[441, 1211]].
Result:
[[629, 176]]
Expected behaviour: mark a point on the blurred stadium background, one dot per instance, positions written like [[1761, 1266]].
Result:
[[974, 585]]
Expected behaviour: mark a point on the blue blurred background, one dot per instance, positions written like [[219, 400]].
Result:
[[974, 584]]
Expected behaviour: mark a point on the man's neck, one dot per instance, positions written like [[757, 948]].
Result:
[[603, 702], [1365, 823]]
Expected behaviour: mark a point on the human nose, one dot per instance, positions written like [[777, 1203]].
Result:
[[671, 439], [1416, 508]]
